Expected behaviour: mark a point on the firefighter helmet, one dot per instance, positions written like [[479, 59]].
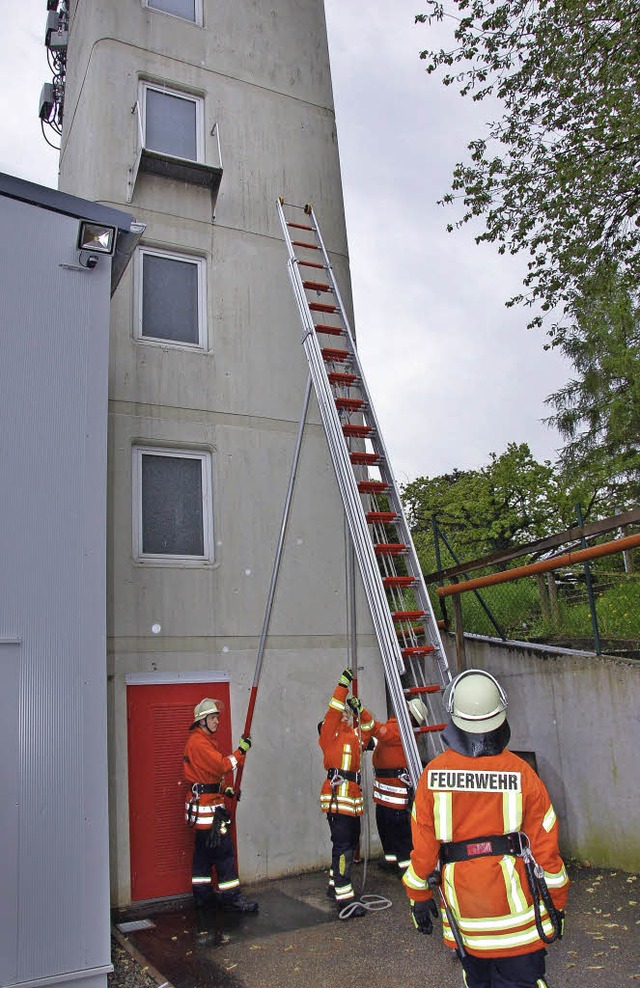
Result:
[[206, 707], [476, 702], [417, 710]]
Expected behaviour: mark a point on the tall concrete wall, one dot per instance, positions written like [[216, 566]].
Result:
[[580, 714], [262, 71]]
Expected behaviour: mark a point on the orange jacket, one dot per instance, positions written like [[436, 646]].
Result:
[[389, 791], [460, 798], [341, 748], [203, 762]]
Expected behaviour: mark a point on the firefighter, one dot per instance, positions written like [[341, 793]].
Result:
[[205, 768], [341, 795], [481, 820], [392, 789]]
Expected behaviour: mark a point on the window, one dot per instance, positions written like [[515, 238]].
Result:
[[190, 10], [172, 504], [170, 297], [172, 123]]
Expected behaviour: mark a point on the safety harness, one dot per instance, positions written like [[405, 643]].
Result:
[[403, 775], [336, 777], [394, 773], [197, 790], [518, 845]]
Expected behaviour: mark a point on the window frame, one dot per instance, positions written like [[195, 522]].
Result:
[[139, 450], [198, 12], [201, 268], [158, 87]]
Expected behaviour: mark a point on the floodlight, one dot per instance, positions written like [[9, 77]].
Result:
[[96, 238]]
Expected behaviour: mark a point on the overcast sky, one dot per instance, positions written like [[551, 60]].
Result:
[[454, 375]]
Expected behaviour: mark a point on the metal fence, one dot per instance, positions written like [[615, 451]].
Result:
[[591, 605]]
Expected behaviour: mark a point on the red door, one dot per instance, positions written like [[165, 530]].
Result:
[[161, 844]]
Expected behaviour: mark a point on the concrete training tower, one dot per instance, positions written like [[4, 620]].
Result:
[[195, 115]]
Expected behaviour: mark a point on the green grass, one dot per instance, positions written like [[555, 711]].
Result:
[[517, 609]]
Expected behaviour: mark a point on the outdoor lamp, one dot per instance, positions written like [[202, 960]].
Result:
[[96, 238]]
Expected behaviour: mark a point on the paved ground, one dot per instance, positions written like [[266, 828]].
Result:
[[297, 940]]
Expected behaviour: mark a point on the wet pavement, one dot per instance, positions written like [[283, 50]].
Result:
[[297, 938]]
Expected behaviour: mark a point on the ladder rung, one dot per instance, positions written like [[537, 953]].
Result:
[[311, 264], [429, 728], [398, 581], [417, 652], [342, 380], [299, 243], [385, 517], [364, 459], [375, 487], [340, 355], [358, 431], [407, 615], [323, 327], [322, 307], [391, 549], [350, 404], [301, 226], [415, 690], [316, 286]]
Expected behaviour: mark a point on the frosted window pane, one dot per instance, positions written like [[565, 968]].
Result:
[[171, 125], [170, 299], [172, 522], [181, 8]]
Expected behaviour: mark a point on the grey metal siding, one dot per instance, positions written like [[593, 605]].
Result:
[[53, 406]]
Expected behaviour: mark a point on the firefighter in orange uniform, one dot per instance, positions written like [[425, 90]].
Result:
[[204, 769], [392, 789], [481, 820], [341, 795]]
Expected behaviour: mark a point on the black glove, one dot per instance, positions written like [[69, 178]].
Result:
[[244, 743], [219, 827], [354, 704], [346, 678], [229, 792], [560, 915], [420, 914]]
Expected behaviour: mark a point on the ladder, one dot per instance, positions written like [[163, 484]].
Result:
[[415, 663]]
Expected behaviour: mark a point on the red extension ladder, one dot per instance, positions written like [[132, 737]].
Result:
[[415, 662]]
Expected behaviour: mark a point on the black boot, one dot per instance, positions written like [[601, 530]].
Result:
[[238, 904]]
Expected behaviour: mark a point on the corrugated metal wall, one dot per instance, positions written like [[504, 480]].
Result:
[[54, 898]]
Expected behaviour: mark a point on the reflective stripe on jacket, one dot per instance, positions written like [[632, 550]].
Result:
[[203, 762], [389, 754], [460, 798], [341, 749]]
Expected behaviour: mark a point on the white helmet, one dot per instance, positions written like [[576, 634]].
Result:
[[476, 702], [206, 707], [417, 710]]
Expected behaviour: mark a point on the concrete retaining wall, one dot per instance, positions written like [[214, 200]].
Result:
[[580, 714]]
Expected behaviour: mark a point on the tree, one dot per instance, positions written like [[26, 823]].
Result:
[[512, 500], [598, 412], [558, 173], [509, 502]]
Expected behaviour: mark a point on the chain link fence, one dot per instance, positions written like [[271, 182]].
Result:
[[590, 607]]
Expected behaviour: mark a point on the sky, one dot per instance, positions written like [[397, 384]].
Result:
[[453, 374]]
